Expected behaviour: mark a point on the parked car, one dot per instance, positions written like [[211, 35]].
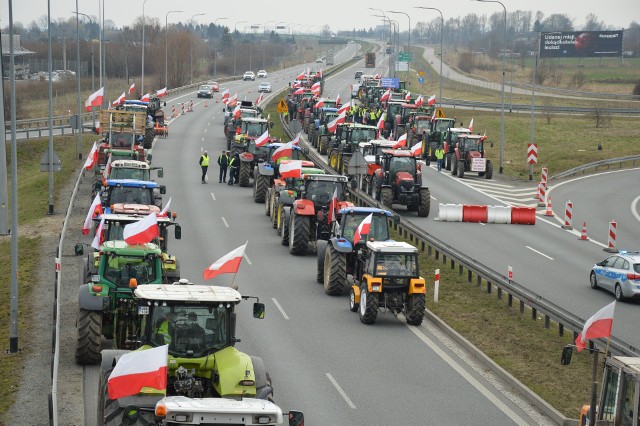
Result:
[[205, 91], [619, 274], [262, 74], [249, 75], [265, 86], [358, 74]]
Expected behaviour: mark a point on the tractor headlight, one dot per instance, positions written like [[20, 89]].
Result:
[[375, 287]]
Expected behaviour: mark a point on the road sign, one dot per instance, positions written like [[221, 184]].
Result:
[[532, 153], [387, 82], [421, 80], [405, 56], [402, 66], [440, 113], [421, 73], [44, 162], [282, 107], [357, 164]]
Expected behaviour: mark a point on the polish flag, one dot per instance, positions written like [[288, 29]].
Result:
[[419, 101], [416, 150], [225, 96], [407, 97], [319, 104], [237, 112], [141, 232], [291, 169], [95, 99], [120, 100], [299, 91], [263, 139], [338, 100], [431, 100], [137, 370], [107, 168], [402, 142], [333, 206], [92, 158], [433, 116], [363, 229], [597, 326], [319, 73], [471, 125], [284, 151], [296, 84], [333, 125], [98, 238], [381, 121], [132, 88], [162, 92], [227, 264], [385, 96], [344, 108], [165, 210], [296, 140], [316, 86], [94, 210], [146, 97], [300, 76], [233, 100], [259, 99]]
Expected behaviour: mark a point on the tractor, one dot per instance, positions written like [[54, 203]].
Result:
[[348, 136], [308, 215], [123, 132], [265, 172], [449, 139], [136, 194], [386, 277], [249, 160], [336, 258], [152, 109], [469, 155], [197, 326], [436, 131], [370, 150], [322, 136], [126, 169], [250, 128], [105, 302], [399, 181], [322, 116]]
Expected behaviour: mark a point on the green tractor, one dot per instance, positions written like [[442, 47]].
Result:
[[348, 136], [198, 324], [105, 302]]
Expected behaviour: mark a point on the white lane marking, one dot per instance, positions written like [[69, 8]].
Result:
[[540, 253], [203, 139], [284, 314], [634, 205], [213, 196], [483, 224], [247, 259], [225, 221], [340, 391], [202, 147], [468, 377], [205, 130]]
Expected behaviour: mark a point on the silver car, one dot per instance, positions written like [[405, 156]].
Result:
[[619, 274], [265, 86]]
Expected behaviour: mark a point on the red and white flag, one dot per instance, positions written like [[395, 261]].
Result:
[[433, 116], [333, 206], [95, 99], [419, 101], [291, 169], [338, 100], [296, 140], [233, 100], [296, 84], [319, 104], [165, 209], [92, 158], [402, 142], [98, 238], [471, 125], [344, 108], [385, 96], [132, 88], [597, 326], [259, 99], [300, 76], [315, 86], [333, 125], [363, 229], [416, 150], [299, 91], [283, 151], [431, 100], [141, 232], [237, 112], [162, 92], [120, 100], [407, 97], [227, 264], [263, 139], [381, 121], [95, 209], [146, 97], [107, 168], [139, 369], [225, 96]]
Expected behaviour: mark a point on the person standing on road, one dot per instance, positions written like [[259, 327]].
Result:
[[233, 166], [439, 156], [204, 164], [223, 162]]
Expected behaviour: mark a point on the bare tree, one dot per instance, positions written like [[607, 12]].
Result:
[[592, 23], [600, 115]]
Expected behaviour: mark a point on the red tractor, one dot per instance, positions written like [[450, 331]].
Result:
[[470, 156]]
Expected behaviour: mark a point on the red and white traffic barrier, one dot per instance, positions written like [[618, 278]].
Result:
[[183, 108], [542, 194], [543, 176], [611, 244], [583, 234], [173, 111], [436, 286], [190, 109], [487, 214], [568, 215], [510, 273]]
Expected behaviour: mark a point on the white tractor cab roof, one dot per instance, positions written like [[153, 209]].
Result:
[[212, 410], [391, 247], [183, 290], [330, 178], [121, 217], [459, 130], [129, 164], [378, 144], [255, 119], [248, 113]]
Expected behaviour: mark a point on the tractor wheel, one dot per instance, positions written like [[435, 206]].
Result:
[[454, 166], [110, 413], [147, 141], [273, 212], [368, 306], [260, 186], [461, 169], [335, 272], [447, 162], [89, 337], [299, 229], [489, 173], [323, 145], [245, 174], [353, 306], [333, 160], [263, 379], [425, 202], [283, 219], [414, 310], [386, 196], [321, 247]]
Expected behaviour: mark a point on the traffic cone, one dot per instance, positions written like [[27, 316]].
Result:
[[206, 103], [549, 211], [583, 236], [217, 99]]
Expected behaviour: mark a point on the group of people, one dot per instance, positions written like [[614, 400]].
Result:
[[363, 115], [226, 162]]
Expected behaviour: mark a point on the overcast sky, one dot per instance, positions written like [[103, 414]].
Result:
[[339, 15]]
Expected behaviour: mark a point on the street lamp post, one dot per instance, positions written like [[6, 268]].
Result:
[[503, 76], [191, 46], [383, 25], [143, 25], [93, 88], [78, 105], [166, 45], [215, 56], [441, 51]]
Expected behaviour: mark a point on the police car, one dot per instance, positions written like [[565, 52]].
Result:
[[619, 274]]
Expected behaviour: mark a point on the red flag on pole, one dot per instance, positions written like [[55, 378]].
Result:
[[363, 229], [141, 232], [599, 325], [227, 264]]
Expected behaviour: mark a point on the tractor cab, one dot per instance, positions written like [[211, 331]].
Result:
[[352, 217], [470, 156], [129, 191]]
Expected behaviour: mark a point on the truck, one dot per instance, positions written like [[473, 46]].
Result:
[[370, 60], [328, 60]]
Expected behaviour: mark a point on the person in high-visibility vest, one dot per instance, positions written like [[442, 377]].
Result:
[[204, 164], [439, 156], [163, 330]]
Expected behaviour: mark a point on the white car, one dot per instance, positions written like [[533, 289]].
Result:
[[265, 86], [262, 74], [249, 75]]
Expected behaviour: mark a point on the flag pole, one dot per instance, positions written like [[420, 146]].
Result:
[[233, 286]]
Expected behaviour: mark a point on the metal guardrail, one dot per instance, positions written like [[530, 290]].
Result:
[[596, 164], [538, 108]]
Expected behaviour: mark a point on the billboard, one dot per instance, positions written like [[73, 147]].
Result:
[[580, 44], [393, 83]]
